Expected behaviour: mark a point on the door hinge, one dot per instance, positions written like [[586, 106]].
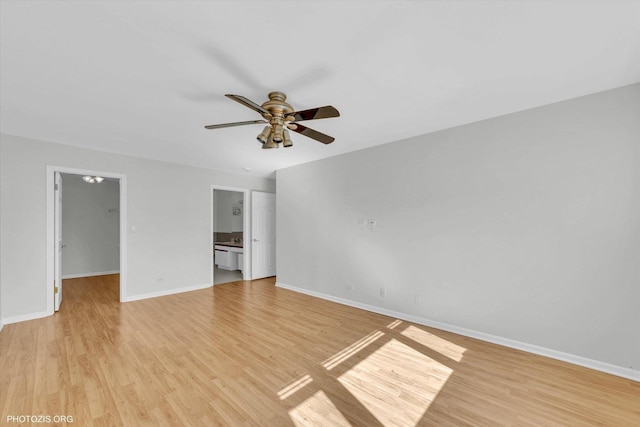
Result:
[[55, 187], [55, 289]]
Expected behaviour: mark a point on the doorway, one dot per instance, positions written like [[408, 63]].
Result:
[[258, 240], [86, 214], [229, 228]]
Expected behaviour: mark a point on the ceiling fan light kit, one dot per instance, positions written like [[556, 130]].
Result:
[[92, 179], [280, 117], [287, 142], [264, 136]]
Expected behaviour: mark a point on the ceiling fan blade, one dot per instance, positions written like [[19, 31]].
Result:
[[325, 112], [248, 103], [313, 134], [228, 125]]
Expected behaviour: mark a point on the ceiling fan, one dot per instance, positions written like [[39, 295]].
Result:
[[281, 118]]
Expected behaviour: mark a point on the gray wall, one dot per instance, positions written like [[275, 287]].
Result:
[[525, 227], [168, 219], [90, 226], [1, 240]]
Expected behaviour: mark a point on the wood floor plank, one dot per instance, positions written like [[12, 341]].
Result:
[[249, 354]]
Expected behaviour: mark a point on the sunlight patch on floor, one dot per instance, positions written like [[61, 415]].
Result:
[[396, 383], [294, 386], [394, 323], [317, 410], [347, 352], [434, 342]]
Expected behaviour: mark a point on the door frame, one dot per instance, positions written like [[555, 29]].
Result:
[[57, 241], [246, 226], [50, 228]]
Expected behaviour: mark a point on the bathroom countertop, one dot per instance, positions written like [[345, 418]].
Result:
[[231, 244]]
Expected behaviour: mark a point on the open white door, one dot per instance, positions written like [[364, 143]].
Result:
[[263, 235], [57, 239]]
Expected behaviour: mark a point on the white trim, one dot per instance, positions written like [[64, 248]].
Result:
[[620, 371], [25, 317], [246, 228], [99, 273], [51, 170], [167, 292]]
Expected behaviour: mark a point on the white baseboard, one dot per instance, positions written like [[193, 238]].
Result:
[[167, 292], [100, 273], [24, 317], [620, 371], [31, 316]]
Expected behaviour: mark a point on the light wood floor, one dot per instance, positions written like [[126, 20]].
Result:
[[248, 353]]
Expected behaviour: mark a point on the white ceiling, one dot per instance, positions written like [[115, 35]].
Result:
[[142, 78]]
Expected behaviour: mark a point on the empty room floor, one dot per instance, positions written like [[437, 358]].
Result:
[[248, 353]]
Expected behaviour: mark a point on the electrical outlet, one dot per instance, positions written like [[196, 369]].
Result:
[[416, 299], [349, 286], [382, 292], [371, 223]]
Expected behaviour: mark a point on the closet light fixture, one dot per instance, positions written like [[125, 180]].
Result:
[[91, 179]]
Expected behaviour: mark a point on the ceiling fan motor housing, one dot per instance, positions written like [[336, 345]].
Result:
[[279, 110], [278, 107]]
